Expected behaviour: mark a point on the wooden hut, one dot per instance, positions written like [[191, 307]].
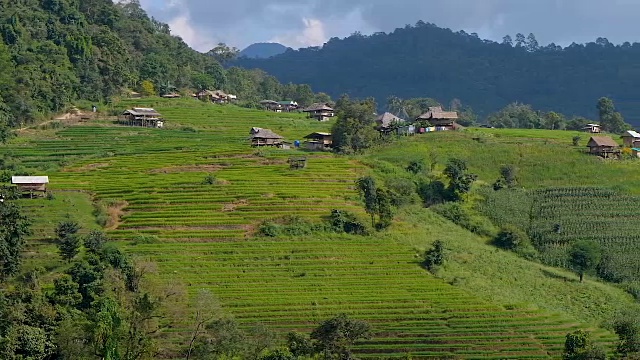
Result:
[[145, 117], [320, 112], [603, 146], [265, 137], [387, 122], [319, 141], [442, 120], [31, 184], [288, 105], [631, 139], [271, 105]]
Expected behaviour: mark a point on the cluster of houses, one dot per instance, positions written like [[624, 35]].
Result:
[[607, 147], [216, 96], [318, 111]]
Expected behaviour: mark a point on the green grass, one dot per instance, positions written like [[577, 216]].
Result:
[[500, 307]]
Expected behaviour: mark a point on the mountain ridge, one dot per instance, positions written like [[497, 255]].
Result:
[[263, 50]]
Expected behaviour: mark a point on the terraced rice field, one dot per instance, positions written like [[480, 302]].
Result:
[[205, 234]]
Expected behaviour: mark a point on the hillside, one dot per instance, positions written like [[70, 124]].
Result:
[[427, 61], [484, 304], [262, 50]]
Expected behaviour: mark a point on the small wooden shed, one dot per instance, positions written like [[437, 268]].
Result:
[[319, 141], [31, 184], [145, 117], [265, 137], [603, 146]]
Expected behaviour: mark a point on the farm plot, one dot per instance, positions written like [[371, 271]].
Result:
[[205, 233]]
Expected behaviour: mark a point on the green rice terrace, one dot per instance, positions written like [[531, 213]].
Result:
[[487, 303]]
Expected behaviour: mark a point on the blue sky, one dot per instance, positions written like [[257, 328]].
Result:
[[300, 23]]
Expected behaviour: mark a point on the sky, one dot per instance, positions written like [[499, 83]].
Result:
[[302, 23]]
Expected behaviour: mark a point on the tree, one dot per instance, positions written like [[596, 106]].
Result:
[[384, 208], [584, 257], [520, 40], [610, 120], [14, 227], [578, 346], [553, 121], [368, 190], [65, 291], [95, 241], [532, 43], [223, 53], [507, 40], [354, 130], [508, 177], [511, 238], [434, 257], [67, 239], [627, 327], [460, 181], [148, 89], [336, 336], [205, 309]]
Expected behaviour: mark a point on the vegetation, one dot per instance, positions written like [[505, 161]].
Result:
[[584, 257], [579, 346], [483, 74], [434, 257]]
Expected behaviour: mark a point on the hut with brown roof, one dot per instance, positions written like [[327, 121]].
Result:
[[603, 146], [320, 112], [145, 117], [442, 120], [387, 121], [265, 137], [631, 139]]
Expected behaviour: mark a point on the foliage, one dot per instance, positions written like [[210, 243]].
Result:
[[416, 167], [354, 130], [433, 192], [347, 222], [147, 88], [289, 225], [368, 190], [511, 238], [576, 140], [484, 74], [14, 227], [434, 257], [508, 177], [95, 242], [210, 179], [335, 336], [67, 239], [460, 181], [465, 217], [610, 120], [578, 346], [627, 327], [584, 257]]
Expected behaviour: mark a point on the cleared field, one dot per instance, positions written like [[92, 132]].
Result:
[[205, 233]]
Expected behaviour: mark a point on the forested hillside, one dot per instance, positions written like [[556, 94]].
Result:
[[56, 51], [427, 61]]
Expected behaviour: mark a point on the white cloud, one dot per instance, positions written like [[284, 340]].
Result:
[[313, 35]]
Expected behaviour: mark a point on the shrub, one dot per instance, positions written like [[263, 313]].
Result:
[[210, 179], [348, 222], [434, 257], [464, 217], [432, 193], [142, 239], [416, 167], [289, 226], [511, 238], [576, 140], [402, 191]]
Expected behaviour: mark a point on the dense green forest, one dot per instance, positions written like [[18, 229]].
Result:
[[427, 61], [56, 51]]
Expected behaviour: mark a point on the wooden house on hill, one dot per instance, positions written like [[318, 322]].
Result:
[[172, 96], [217, 96], [271, 105], [265, 137], [320, 112], [31, 184], [145, 117], [442, 120], [603, 146], [288, 105], [631, 139], [319, 141], [592, 128], [386, 122]]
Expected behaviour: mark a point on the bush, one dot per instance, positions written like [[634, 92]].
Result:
[[511, 238], [416, 167], [402, 191], [345, 221], [434, 257], [433, 193], [210, 179], [464, 217], [289, 226], [576, 140], [142, 239]]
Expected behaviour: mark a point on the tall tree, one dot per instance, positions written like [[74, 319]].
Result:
[[336, 336], [610, 120], [67, 239], [368, 190], [14, 227], [460, 180], [584, 257], [354, 130]]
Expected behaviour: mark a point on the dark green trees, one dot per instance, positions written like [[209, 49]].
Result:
[[335, 336], [584, 256], [354, 131], [67, 239], [434, 257], [579, 346], [14, 226], [377, 201], [460, 180], [610, 120]]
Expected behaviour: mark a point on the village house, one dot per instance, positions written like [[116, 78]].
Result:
[[288, 105], [171, 96], [265, 137], [387, 123], [320, 112], [319, 141], [592, 128], [603, 146], [440, 119], [217, 96], [271, 105], [631, 139], [31, 185], [145, 117]]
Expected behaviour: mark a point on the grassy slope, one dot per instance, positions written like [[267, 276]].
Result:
[[290, 282]]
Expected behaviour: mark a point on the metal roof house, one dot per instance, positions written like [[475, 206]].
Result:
[[592, 128], [31, 184], [631, 139], [145, 117]]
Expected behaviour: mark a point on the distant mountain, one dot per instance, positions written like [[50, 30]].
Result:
[[263, 50], [428, 61]]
